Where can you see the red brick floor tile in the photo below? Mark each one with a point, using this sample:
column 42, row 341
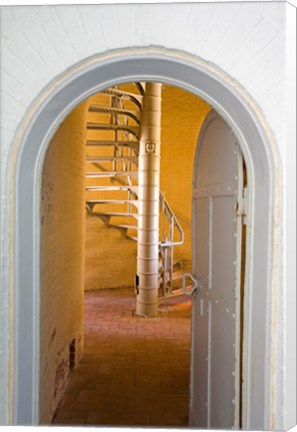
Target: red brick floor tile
column 134, row 371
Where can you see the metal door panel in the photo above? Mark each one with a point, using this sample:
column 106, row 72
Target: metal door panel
column 219, row 168
column 199, row 379
column 202, row 208
column 200, row 320
column 224, row 229
column 216, row 264
column 222, row 378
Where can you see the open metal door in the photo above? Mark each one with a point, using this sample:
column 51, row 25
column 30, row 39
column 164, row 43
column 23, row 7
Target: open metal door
column 216, row 332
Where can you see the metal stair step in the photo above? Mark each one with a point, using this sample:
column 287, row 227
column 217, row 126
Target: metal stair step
column 174, row 293
column 115, row 214
column 94, row 174
column 112, row 188
column 103, row 143
column 176, row 262
column 135, row 115
column 140, row 88
column 113, row 127
column 94, row 159
column 177, row 276
column 132, row 238
column 134, row 227
column 112, row 201
column 135, row 98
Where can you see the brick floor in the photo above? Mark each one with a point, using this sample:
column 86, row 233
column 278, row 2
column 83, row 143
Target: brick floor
column 134, row 371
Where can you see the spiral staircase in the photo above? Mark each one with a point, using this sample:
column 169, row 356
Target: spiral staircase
column 112, row 173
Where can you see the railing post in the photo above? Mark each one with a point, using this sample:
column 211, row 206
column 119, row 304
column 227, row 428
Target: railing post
column 148, row 201
column 165, row 260
column 172, row 253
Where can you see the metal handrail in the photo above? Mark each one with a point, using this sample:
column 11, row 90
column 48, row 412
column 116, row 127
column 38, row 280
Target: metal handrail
column 173, row 221
column 167, row 244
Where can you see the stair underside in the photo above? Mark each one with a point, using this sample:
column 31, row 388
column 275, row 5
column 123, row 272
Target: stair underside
column 136, row 99
column 112, row 188
column 123, row 226
column 174, row 293
column 134, row 145
column 177, row 264
column 115, row 128
column 114, row 214
column 112, row 174
column 135, row 115
column 94, row 159
column 112, row 201
column 132, row 238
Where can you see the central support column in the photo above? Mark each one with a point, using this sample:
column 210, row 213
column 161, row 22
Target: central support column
column 148, row 202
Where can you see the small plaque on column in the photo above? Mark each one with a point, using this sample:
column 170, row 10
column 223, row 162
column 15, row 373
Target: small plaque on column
column 150, row 147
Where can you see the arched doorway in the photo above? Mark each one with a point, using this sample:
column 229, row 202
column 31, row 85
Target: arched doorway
column 230, row 103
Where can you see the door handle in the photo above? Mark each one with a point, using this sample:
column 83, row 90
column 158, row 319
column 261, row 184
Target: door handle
column 195, row 284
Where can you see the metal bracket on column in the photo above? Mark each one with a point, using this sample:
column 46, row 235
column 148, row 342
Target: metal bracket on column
column 195, row 286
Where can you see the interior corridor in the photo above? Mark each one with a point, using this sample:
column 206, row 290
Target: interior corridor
column 134, row 371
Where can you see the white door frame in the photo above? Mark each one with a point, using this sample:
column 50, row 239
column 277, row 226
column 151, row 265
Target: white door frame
column 259, row 150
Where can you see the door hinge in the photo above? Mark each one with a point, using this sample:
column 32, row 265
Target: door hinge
column 242, row 206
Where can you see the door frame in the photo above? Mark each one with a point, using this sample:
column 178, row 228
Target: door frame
column 260, row 152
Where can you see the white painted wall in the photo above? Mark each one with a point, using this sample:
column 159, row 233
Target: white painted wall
column 253, row 42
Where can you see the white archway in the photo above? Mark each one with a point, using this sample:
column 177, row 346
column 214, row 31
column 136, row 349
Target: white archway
column 236, row 108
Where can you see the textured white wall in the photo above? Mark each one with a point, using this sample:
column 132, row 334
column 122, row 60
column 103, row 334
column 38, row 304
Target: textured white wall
column 246, row 40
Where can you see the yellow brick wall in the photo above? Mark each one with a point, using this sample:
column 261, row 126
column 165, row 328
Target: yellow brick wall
column 62, row 257
column 182, row 117
column 110, row 258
